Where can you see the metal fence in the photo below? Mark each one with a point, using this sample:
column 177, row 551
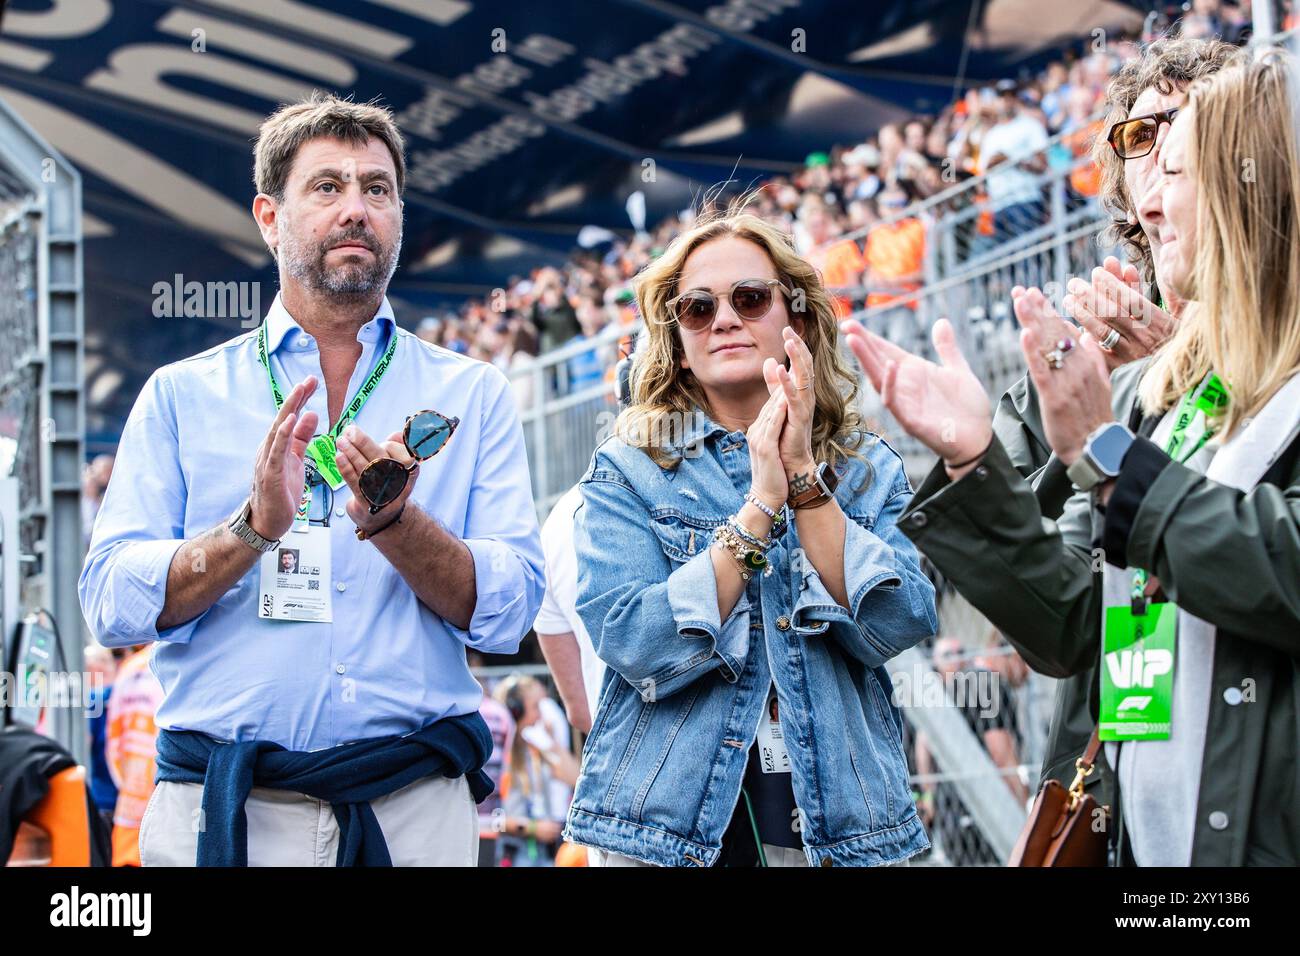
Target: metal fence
column 20, row 444
column 563, row 426
column 973, row 804
column 41, row 404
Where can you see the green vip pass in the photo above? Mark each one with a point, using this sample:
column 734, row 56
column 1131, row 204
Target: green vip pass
column 1137, row 672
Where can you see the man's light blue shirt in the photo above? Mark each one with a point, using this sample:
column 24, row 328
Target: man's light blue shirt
column 386, row 664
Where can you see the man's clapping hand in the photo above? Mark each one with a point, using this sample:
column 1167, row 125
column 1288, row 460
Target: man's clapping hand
column 278, row 469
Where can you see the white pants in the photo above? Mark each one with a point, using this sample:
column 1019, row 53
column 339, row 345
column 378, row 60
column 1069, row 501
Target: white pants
column 432, row 822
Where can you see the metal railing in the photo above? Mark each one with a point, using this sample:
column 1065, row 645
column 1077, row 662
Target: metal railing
column 42, row 415
column 563, row 428
column 974, row 739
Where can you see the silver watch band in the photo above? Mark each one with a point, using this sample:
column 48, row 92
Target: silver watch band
column 242, row 530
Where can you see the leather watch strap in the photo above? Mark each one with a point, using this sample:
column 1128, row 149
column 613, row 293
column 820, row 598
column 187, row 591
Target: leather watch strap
column 815, row 496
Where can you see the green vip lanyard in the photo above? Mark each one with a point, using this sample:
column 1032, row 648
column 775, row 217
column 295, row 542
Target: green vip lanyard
column 1194, row 425
column 321, row 450
column 1139, row 641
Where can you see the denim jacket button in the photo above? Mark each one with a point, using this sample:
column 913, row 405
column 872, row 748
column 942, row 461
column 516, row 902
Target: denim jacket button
column 783, row 623
column 826, row 861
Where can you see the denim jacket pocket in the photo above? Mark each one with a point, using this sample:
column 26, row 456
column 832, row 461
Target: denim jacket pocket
column 681, row 536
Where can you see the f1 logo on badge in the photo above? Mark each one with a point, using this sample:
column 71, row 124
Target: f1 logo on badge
column 1133, row 703
column 1131, row 668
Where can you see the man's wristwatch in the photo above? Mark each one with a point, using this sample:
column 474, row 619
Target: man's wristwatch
column 822, row 489
column 242, row 530
column 1103, row 454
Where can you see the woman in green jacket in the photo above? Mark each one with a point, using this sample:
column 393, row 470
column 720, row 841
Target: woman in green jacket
column 1110, row 304
column 1175, row 570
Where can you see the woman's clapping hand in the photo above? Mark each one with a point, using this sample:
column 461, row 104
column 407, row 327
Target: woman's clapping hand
column 943, row 406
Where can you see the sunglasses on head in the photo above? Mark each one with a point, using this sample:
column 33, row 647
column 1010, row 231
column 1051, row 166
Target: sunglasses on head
column 1134, row 138
column 424, row 436
column 751, row 299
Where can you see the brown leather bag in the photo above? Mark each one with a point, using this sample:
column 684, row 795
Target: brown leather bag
column 1061, row 828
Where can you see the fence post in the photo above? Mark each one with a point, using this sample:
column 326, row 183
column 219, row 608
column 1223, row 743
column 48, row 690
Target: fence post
column 997, row 812
column 1058, row 232
column 541, row 402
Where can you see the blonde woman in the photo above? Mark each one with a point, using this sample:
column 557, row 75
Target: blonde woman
column 741, row 575
column 1175, row 569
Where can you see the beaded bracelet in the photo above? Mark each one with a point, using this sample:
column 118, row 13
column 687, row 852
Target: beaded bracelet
column 776, row 516
column 738, row 526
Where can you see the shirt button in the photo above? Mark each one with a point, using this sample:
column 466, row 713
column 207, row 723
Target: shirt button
column 981, row 472
column 919, row 519
column 1233, row 696
column 783, row 623
column 340, row 587
column 338, row 512
column 340, row 669
column 1218, row 820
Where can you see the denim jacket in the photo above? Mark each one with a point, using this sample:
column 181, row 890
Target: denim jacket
column 684, row 691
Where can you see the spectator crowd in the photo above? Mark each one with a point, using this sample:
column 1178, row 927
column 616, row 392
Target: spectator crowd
column 844, row 208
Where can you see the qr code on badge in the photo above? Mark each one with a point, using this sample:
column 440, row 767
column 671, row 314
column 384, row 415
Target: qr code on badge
column 313, row 585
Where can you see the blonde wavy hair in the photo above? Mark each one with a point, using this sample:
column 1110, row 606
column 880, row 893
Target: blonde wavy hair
column 1243, row 317
column 662, row 391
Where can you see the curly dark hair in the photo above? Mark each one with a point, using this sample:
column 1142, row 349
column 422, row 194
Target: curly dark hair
column 1166, row 64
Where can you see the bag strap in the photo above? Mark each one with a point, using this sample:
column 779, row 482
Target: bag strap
column 1089, row 757
column 1084, row 766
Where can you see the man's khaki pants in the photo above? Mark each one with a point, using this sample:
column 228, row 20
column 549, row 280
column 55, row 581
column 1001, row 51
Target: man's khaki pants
column 432, row 822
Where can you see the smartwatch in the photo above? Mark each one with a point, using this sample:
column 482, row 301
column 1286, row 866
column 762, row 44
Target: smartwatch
column 1103, row 454
column 822, row 489
column 242, row 530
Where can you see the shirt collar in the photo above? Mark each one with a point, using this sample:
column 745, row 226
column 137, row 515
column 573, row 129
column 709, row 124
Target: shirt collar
column 698, row 427
column 281, row 326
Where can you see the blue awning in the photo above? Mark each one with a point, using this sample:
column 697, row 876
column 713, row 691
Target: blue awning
column 525, row 122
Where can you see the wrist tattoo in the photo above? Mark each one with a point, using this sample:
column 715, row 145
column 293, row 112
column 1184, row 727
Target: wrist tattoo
column 799, row 484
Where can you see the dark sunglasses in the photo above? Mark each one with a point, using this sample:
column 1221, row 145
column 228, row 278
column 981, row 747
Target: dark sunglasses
column 424, row 436
column 1134, row 138
column 750, row 299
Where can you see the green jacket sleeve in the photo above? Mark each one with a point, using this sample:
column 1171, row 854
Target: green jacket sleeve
column 1036, row 580
column 1019, row 426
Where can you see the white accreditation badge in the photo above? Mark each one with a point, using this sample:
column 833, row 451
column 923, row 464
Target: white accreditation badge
column 295, row 577
column 773, row 757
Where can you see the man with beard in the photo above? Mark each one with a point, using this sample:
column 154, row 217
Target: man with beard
column 326, row 717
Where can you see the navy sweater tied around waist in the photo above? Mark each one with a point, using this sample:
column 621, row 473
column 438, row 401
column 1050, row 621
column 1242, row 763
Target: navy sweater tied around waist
column 348, row 777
